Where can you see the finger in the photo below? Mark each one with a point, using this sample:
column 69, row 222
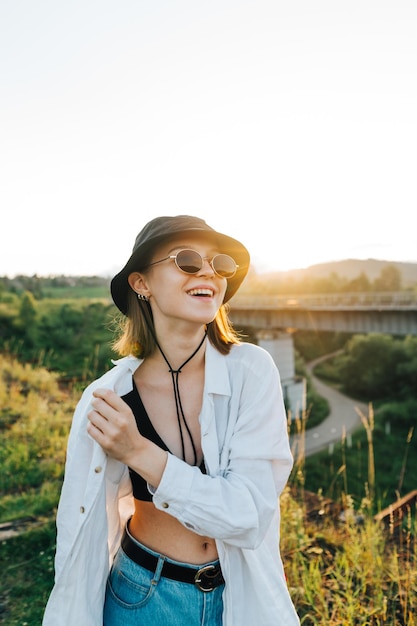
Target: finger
column 97, row 420
column 110, row 397
column 104, row 408
column 94, row 431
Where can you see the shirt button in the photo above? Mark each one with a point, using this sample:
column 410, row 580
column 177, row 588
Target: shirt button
column 98, row 469
column 165, row 505
column 82, row 509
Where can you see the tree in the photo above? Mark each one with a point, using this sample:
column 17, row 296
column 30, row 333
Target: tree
column 360, row 283
column 371, row 366
column 27, row 318
column 389, row 279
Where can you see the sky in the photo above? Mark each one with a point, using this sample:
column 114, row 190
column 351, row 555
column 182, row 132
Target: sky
column 290, row 125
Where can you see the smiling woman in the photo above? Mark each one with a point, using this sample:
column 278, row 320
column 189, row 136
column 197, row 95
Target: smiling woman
column 178, row 455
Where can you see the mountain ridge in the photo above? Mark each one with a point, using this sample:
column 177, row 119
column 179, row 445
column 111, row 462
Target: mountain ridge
column 352, row 268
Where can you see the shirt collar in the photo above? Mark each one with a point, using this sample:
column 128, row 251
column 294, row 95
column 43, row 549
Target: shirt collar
column 216, row 372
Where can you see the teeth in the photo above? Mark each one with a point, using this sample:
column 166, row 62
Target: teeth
column 200, row 292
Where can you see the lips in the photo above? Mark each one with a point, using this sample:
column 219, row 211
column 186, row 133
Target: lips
column 201, row 292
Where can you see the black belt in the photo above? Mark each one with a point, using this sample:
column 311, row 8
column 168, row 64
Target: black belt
column 206, row 578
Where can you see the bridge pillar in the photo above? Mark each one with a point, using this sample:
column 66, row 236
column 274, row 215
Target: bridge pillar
column 280, row 346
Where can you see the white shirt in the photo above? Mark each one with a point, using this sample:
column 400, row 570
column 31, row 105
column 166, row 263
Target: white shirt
column 248, row 460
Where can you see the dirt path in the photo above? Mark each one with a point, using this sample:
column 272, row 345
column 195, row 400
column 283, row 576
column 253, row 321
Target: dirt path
column 342, row 419
column 17, row 527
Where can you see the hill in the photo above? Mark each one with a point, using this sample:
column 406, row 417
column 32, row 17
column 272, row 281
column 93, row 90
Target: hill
column 351, row 268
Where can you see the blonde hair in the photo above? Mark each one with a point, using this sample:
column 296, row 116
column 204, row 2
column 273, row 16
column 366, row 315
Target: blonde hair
column 136, row 331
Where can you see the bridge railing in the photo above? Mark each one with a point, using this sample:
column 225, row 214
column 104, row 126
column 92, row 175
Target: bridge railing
column 397, row 300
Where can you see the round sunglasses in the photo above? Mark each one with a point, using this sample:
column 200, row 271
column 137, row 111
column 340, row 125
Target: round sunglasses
column 191, row 262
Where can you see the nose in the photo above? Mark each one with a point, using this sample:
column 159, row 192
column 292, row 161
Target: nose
column 206, row 269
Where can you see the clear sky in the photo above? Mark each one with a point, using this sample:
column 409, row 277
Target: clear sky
column 290, row 124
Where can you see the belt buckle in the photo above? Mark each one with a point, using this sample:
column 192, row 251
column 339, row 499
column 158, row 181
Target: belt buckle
column 203, row 580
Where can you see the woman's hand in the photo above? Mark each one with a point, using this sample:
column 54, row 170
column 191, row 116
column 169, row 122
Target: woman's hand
column 113, row 426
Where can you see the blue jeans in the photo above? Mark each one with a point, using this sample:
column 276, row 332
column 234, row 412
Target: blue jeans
column 137, row 597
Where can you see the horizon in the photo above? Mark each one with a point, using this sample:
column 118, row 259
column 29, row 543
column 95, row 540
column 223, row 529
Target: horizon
column 255, row 270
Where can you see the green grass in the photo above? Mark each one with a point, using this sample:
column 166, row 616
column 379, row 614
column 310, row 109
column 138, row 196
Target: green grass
column 26, row 565
column 35, row 417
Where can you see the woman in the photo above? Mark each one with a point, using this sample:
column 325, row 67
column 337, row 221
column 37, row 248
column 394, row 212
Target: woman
column 177, row 455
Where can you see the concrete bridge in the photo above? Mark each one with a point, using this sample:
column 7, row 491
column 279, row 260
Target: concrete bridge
column 275, row 318
column 392, row 313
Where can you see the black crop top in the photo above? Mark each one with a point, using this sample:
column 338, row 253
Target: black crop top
column 145, row 427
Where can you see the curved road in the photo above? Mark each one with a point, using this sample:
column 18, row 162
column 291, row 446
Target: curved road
column 342, row 419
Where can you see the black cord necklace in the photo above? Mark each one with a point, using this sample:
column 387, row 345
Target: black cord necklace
column 178, row 405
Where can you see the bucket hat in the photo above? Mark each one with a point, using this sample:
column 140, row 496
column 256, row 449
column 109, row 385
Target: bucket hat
column 164, row 228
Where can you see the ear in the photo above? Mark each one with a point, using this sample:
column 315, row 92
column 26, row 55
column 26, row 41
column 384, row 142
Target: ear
column 138, row 283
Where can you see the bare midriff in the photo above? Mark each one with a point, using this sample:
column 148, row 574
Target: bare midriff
column 162, row 533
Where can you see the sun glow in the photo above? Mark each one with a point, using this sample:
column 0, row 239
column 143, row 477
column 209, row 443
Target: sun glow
column 291, row 130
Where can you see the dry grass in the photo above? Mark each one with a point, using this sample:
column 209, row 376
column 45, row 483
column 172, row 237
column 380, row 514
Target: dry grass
column 346, row 566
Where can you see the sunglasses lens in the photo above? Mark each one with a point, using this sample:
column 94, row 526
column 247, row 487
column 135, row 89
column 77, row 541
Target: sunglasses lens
column 224, row 265
column 189, row 261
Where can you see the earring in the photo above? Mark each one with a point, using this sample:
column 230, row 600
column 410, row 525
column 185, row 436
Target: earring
column 142, row 297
